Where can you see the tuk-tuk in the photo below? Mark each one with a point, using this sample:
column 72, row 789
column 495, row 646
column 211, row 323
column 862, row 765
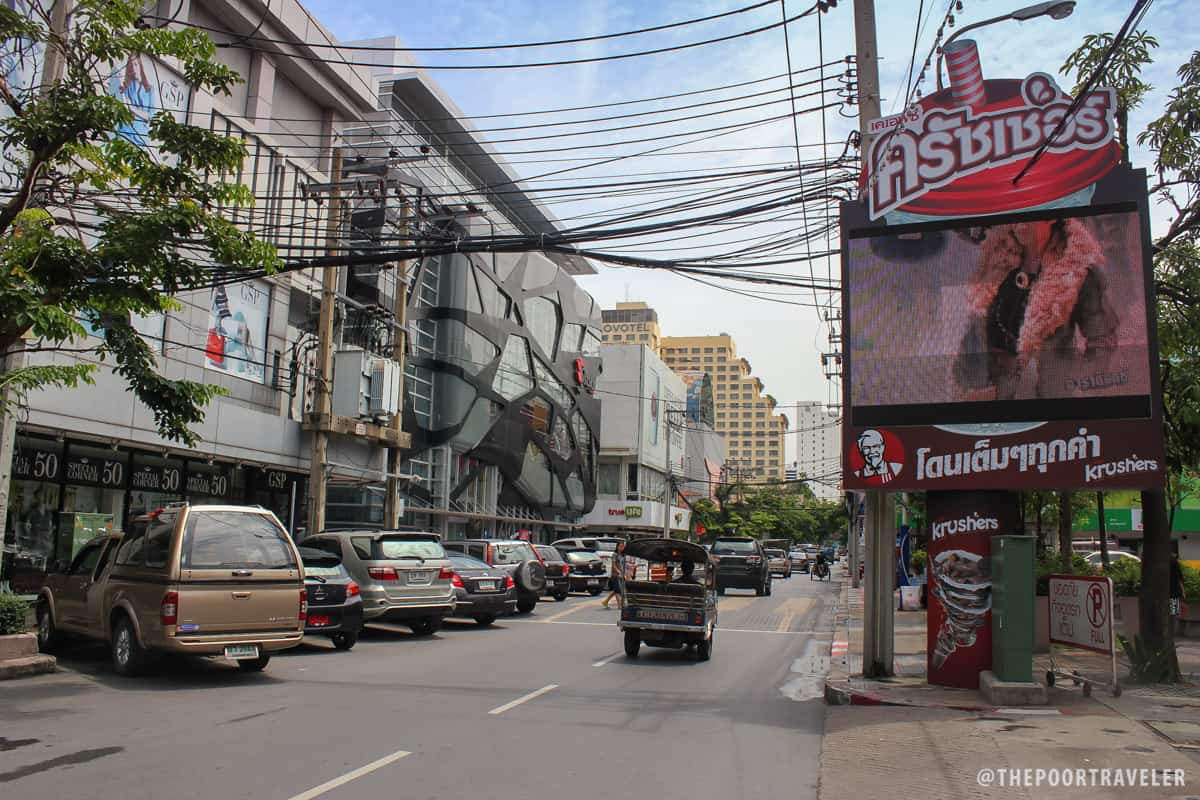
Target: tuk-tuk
column 677, row 606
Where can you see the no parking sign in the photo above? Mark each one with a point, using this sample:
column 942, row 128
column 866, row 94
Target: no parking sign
column 1081, row 612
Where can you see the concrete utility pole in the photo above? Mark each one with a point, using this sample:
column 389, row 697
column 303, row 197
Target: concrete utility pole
column 391, row 501
column 322, row 396
column 878, row 644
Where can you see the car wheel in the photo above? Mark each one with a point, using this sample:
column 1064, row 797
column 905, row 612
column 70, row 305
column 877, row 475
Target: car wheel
column 483, row 620
column 561, row 595
column 759, row 590
column 633, row 643
column 595, row 592
column 344, row 640
column 704, row 648
column 47, row 635
column 526, row 604
column 721, row 590
column 254, row 664
column 128, row 655
column 767, row 592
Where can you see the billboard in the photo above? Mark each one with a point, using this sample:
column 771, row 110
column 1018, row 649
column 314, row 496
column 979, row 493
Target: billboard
column 998, row 316
column 237, row 329
column 699, row 395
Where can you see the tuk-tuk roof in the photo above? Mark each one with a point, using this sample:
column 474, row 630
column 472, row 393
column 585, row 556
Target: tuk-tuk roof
column 664, row 550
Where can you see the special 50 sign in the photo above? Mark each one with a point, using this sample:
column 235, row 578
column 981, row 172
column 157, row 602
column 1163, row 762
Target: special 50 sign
column 998, row 330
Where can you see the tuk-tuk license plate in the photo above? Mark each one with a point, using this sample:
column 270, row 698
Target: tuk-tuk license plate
column 659, row 615
column 242, row 651
column 486, row 586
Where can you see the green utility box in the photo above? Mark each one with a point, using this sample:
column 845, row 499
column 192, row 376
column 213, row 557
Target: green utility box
column 1013, row 608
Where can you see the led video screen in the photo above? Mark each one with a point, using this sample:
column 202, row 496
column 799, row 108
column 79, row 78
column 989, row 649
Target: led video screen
column 1023, row 319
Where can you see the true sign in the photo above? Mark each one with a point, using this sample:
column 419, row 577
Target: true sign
column 1081, row 612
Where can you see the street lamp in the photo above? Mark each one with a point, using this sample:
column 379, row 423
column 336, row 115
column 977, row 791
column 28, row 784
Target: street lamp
column 1061, row 9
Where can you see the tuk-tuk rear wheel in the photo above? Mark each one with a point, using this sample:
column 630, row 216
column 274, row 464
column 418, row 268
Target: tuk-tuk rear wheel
column 704, row 648
column 633, row 643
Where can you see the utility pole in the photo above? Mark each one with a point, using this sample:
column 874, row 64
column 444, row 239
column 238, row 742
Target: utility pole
column 391, row 501
column 878, row 620
column 322, row 396
column 666, row 528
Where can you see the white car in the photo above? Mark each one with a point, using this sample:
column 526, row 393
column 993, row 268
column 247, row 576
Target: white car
column 1094, row 559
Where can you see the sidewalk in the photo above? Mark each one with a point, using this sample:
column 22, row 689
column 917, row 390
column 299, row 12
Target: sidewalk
column 900, row 736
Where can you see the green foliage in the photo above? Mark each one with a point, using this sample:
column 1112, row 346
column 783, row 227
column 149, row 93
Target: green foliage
column 13, row 611
column 101, row 227
column 1150, row 665
column 1191, row 582
column 1123, row 72
column 917, row 561
column 772, row 511
column 1126, row 576
column 1053, row 564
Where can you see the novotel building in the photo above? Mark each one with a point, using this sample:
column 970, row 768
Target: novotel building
column 631, row 323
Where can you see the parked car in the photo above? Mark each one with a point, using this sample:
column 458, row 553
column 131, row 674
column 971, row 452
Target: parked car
column 404, row 576
column 603, row 546
column 779, row 563
column 558, row 572
column 1095, row 560
column 335, row 607
column 517, row 558
column 741, row 564
column 186, row 579
column 802, row 563
column 588, row 571
column 481, row 591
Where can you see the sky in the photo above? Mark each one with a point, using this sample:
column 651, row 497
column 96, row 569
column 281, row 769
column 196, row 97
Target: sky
column 783, row 337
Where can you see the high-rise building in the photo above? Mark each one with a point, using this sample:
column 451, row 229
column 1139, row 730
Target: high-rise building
column 744, row 413
column 818, row 438
column 631, row 323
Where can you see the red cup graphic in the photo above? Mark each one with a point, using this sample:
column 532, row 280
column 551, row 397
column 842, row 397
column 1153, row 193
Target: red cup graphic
column 966, row 76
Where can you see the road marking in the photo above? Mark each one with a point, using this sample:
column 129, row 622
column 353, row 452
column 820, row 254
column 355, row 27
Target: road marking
column 578, row 607
column 613, row 624
column 317, row 791
column 532, row 695
column 1033, row 712
column 792, row 608
column 604, row 661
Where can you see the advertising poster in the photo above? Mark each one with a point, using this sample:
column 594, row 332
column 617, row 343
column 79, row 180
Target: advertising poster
column 998, row 313
column 958, row 625
column 147, row 87
column 237, row 329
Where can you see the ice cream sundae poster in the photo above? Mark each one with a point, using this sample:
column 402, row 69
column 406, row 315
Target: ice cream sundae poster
column 959, row 630
column 237, row 329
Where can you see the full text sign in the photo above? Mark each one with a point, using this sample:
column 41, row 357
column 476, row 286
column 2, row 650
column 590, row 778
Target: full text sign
column 1081, row 612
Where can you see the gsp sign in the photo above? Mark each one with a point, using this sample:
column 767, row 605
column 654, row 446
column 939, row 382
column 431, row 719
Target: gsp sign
column 1081, row 612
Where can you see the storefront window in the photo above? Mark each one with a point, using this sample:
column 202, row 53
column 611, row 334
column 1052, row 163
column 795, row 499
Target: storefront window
column 153, row 483
column 33, row 503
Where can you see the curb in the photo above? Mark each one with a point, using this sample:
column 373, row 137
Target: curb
column 837, row 694
column 27, row 666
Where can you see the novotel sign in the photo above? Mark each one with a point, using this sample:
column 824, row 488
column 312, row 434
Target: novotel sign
column 626, row 327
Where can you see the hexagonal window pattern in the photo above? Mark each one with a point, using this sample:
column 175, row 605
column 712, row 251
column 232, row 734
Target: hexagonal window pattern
column 495, row 302
column 536, row 477
column 482, row 417
column 462, row 346
column 536, row 412
column 539, row 271
column 551, row 385
column 560, row 439
column 513, row 377
column 543, row 319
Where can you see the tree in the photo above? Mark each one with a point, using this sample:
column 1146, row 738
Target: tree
column 1174, row 139
column 110, row 216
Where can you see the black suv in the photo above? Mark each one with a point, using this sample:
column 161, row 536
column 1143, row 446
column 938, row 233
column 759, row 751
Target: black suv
column 741, row 564
column 516, row 557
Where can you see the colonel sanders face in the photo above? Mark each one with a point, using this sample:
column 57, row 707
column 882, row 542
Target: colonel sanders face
column 870, row 445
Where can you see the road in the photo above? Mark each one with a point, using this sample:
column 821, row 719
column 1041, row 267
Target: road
column 545, row 705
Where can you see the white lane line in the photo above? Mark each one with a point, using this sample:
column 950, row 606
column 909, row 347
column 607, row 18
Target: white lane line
column 614, row 624
column 507, row 706
column 604, row 661
column 317, row 791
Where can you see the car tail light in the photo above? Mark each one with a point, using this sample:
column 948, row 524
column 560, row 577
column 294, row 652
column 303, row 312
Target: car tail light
column 509, row 582
column 352, row 590
column 564, row 570
column 456, row 580
column 753, row 560
column 303, row 606
column 383, row 573
column 168, row 612
column 446, row 574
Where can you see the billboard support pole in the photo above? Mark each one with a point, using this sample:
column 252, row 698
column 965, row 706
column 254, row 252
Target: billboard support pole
column 881, row 513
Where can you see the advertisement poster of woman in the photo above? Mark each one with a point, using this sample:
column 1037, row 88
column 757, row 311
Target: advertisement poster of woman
column 237, row 329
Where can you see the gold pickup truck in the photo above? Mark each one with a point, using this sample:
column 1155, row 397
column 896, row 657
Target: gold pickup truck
column 191, row 579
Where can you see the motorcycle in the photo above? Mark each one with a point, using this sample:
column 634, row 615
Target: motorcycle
column 820, row 572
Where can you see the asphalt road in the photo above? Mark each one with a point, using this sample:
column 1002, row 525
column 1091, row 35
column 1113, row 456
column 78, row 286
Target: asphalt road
column 545, row 705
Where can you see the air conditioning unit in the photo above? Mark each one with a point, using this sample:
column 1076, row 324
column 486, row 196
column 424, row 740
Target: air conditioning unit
column 387, row 386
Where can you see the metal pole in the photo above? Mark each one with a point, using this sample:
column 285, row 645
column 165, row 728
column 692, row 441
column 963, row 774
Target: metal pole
column 666, row 526
column 322, row 402
column 852, row 540
column 881, row 517
column 391, row 501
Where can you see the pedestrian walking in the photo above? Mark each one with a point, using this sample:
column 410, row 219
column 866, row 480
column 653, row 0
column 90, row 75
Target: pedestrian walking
column 1178, row 595
column 616, row 572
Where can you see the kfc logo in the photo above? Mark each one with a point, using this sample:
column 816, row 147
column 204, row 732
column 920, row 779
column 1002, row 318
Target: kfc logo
column 878, row 457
